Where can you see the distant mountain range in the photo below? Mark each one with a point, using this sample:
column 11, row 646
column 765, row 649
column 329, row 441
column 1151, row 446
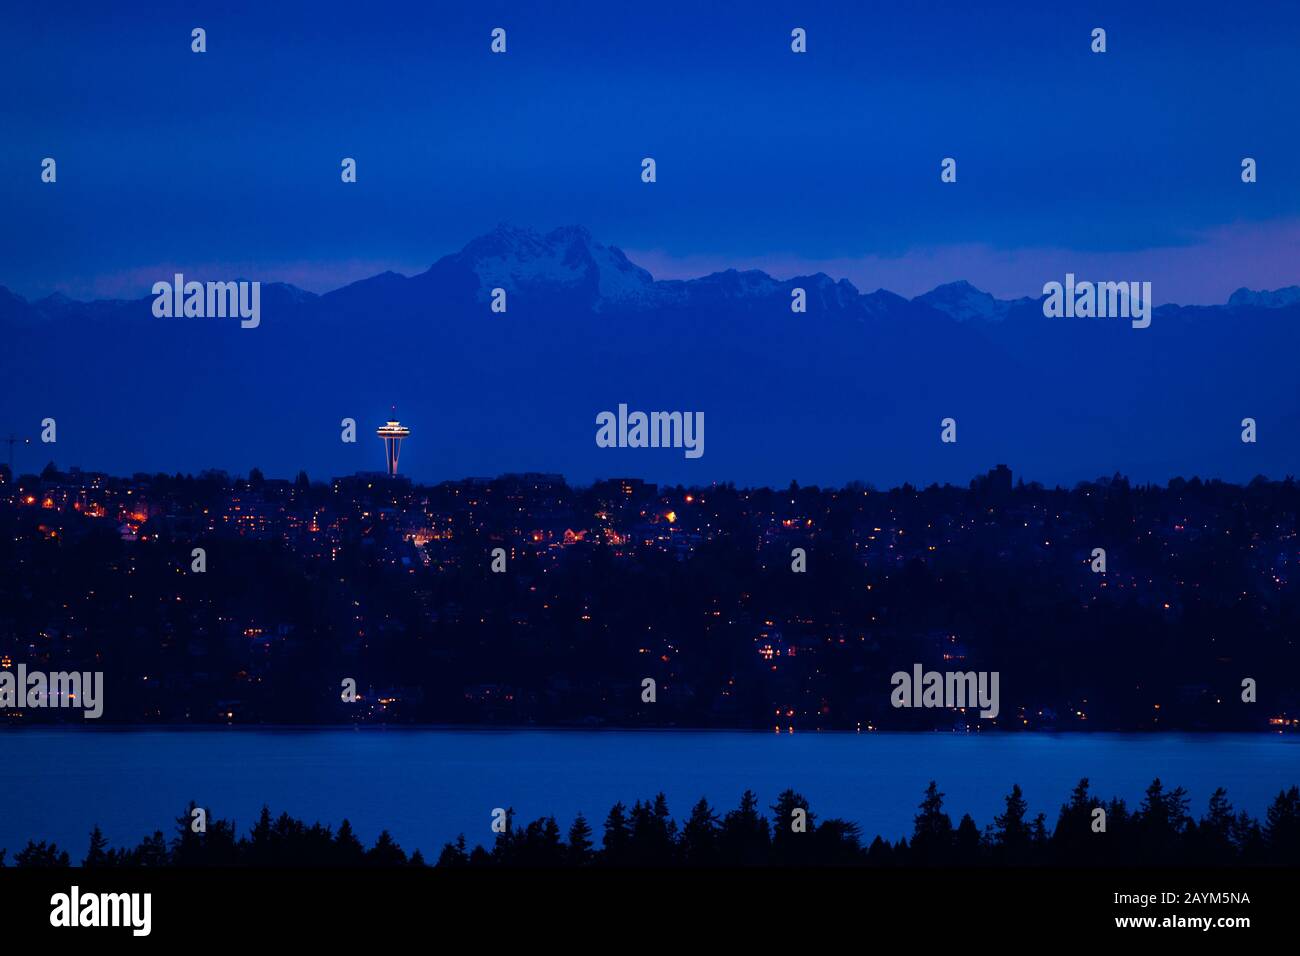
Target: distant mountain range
column 852, row 389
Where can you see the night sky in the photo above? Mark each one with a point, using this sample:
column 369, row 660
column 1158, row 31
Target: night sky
column 228, row 162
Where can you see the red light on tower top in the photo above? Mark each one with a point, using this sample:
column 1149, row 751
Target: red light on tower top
column 392, row 434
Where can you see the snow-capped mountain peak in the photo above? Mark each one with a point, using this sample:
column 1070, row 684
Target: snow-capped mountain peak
column 963, row 302
column 568, row 258
column 1274, row 299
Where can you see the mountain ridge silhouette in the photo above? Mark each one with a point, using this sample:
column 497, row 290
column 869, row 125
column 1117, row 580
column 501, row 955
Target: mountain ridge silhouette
column 519, row 258
column 854, row 388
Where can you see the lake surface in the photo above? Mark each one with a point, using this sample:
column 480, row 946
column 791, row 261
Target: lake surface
column 427, row 785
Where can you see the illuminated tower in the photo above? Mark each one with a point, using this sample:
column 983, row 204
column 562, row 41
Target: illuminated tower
column 392, row 434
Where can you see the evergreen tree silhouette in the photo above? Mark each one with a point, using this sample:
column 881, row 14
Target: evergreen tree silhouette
column 152, row 851
column 1161, row 822
column 385, row 852
column 552, row 844
column 836, row 842
column 932, row 830
column 1215, row 836
column 653, row 833
column 618, row 837
column 1011, row 832
column 901, row 853
column 41, row 856
column 260, row 851
column 187, row 846
column 503, row 847
column 1161, row 832
column 745, row 840
column 579, row 853
column 1038, row 839
column 700, row 836
column 96, row 855
column 315, row 844
column 220, row 844
column 1073, row 839
column 880, row 853
column 966, row 849
column 1282, row 827
column 453, row 854
column 788, row 847
column 1119, row 848
column 1249, row 838
column 665, row 825
column 348, row 849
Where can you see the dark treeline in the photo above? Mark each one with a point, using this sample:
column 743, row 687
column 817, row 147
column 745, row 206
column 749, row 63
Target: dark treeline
column 1161, row 831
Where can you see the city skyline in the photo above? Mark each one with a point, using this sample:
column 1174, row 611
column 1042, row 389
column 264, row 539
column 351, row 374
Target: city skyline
column 473, row 601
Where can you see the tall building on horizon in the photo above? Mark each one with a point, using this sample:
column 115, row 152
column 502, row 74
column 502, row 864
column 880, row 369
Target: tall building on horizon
column 392, row 433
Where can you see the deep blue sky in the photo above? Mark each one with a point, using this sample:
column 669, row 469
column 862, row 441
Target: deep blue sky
column 229, row 161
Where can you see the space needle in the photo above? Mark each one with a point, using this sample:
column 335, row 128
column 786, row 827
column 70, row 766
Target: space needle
column 392, row 434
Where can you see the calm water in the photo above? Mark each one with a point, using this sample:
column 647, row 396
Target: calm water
column 428, row 785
